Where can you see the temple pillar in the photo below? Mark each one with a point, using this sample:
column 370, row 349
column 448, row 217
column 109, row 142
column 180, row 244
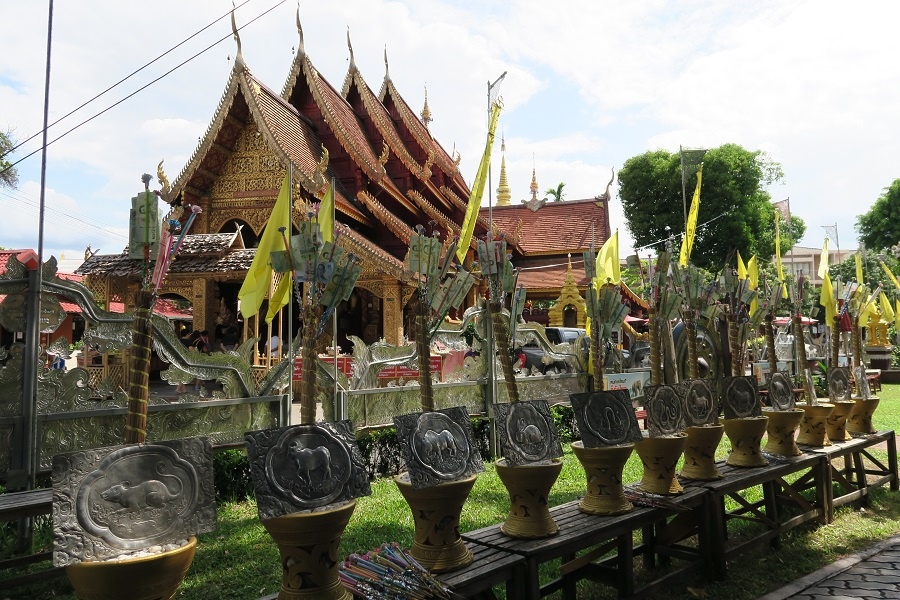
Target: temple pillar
column 392, row 313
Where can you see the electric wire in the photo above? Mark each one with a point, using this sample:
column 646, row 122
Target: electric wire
column 144, row 87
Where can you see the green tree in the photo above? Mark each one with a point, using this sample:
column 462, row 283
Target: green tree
column 736, row 213
column 556, row 193
column 9, row 177
column 880, row 228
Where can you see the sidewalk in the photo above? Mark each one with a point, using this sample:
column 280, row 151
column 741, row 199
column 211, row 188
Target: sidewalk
column 872, row 573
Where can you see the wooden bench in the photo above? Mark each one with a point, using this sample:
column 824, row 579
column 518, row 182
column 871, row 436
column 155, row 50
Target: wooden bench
column 490, row 567
column 19, row 505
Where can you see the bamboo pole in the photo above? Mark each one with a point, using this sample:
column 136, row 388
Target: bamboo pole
column 769, row 331
column 801, row 356
column 501, row 337
column 655, row 361
column 308, row 373
column 835, row 340
column 139, row 371
column 423, row 351
column 690, row 330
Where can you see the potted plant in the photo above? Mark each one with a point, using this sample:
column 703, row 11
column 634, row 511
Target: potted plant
column 442, row 463
column 662, row 447
column 148, row 565
column 307, row 477
column 529, row 440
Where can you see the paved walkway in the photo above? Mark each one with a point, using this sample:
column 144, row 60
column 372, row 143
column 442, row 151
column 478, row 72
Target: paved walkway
column 872, row 573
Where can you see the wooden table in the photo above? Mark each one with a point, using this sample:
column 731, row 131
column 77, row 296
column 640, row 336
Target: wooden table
column 737, row 484
column 860, row 471
column 490, row 567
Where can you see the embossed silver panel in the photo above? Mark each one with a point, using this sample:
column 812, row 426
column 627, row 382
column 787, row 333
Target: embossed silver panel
column 739, row 397
column 781, row 393
column 699, row 401
column 839, row 387
column 305, row 466
column 527, row 432
column 111, row 501
column 438, row 446
column 665, row 410
column 605, row 418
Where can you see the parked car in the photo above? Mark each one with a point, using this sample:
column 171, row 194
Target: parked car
column 532, row 356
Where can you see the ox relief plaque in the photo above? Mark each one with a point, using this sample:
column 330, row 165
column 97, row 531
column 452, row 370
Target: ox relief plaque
column 665, row 410
column 781, row 393
column 438, row 446
column 527, row 432
column 605, row 418
column 303, row 467
column 839, row 383
column 109, row 502
column 739, row 397
column 699, row 402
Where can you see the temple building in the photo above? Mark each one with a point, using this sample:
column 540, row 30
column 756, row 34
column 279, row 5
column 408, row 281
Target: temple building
column 390, row 176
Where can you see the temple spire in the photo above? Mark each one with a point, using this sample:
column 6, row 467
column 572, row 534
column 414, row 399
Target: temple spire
column 239, row 57
column 503, row 191
column 300, row 47
column 426, row 112
column 350, row 46
column 534, row 185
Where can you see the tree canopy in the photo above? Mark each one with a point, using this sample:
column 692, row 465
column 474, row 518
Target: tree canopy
column 735, row 213
column 880, row 228
column 556, row 193
column 9, row 177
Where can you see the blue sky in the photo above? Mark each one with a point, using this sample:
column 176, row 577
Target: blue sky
column 589, row 84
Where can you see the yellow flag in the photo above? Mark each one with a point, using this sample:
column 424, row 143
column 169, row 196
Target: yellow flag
column 859, row 268
column 889, row 274
column 826, row 299
column 608, row 261
column 687, row 244
column 779, row 266
column 753, row 276
column 468, row 226
column 256, row 283
column 326, row 214
column 742, row 268
column 887, row 312
column 823, row 260
column 897, row 314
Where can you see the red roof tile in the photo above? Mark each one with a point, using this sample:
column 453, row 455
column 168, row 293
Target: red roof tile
column 555, row 228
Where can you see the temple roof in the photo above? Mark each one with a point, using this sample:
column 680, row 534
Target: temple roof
column 556, row 228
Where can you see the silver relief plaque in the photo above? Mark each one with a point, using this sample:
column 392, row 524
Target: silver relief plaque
column 527, row 432
column 438, row 446
column 781, row 392
column 665, row 410
column 699, row 401
column 109, row 502
column 605, row 418
column 839, row 383
column 739, row 397
column 304, row 467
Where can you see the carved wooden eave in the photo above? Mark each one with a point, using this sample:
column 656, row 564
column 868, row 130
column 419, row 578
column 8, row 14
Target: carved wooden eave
column 463, row 205
column 292, row 140
column 371, row 254
column 436, row 215
column 401, row 230
column 209, row 139
column 385, row 126
column 421, row 134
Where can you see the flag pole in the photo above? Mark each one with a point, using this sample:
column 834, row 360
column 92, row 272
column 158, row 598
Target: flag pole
column 290, row 328
column 338, row 410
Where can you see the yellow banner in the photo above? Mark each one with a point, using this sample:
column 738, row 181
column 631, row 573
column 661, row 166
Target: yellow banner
column 468, row 226
column 259, row 275
column 889, row 274
column 608, row 262
column 823, row 260
column 687, row 244
column 826, row 299
column 741, row 267
column 326, row 214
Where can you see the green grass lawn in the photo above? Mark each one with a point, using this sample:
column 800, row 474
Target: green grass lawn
column 239, row 561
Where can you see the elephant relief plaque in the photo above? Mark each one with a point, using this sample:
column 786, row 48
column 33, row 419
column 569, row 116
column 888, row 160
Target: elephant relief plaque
column 527, row 432
column 739, row 397
column 699, row 401
column 302, row 467
column 438, row 446
column 781, row 392
column 839, row 383
column 605, row 418
column 109, row 502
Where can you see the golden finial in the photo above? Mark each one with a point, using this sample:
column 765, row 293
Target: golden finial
column 426, row 112
column 239, row 57
column 350, row 46
column 503, row 192
column 385, row 153
column 534, row 185
column 387, row 72
column 163, row 180
column 300, row 48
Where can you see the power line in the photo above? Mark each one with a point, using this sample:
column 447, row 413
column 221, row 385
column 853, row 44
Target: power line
column 106, row 229
column 141, row 89
column 124, row 79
